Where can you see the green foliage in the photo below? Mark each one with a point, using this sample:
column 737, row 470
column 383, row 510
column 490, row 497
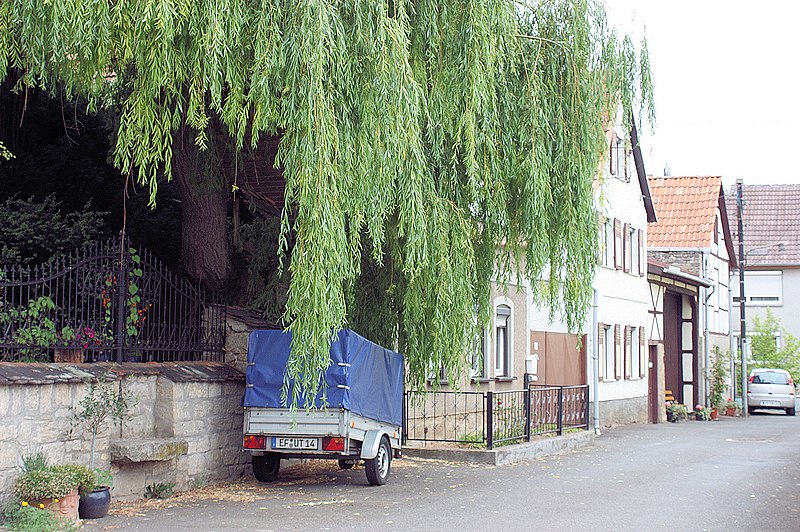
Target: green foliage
column 34, row 461
column 52, row 482
column 34, row 327
column 33, row 231
column 5, row 153
column 719, row 371
column 30, row 519
column 442, row 143
column 764, row 350
column 159, row 490
column 104, row 478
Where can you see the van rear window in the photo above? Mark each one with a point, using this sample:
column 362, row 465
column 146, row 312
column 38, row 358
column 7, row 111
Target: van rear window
column 770, row 377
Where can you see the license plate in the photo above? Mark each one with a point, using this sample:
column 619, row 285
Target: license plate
column 295, row 443
column 770, row 403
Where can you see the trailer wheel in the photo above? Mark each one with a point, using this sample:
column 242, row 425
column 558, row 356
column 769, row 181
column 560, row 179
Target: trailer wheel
column 378, row 468
column 346, row 464
column 266, row 467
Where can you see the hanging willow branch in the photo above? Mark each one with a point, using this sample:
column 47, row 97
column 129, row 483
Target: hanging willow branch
column 428, row 146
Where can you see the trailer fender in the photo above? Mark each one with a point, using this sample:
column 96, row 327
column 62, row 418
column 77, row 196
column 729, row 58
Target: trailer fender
column 369, row 449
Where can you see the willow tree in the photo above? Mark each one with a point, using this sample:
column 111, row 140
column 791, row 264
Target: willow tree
column 428, row 146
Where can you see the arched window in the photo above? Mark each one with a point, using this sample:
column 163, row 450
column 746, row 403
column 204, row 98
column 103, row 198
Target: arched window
column 503, row 347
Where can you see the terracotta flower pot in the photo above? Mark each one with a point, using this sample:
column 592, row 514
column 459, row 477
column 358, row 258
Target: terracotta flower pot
column 714, row 413
column 66, row 508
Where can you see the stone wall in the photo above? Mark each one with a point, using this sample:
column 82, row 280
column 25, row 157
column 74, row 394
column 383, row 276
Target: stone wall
column 623, row 411
column 186, row 427
column 688, row 261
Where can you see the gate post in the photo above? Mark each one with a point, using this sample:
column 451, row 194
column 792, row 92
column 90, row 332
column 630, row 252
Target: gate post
column 489, row 420
column 527, row 414
column 122, row 288
column 560, row 410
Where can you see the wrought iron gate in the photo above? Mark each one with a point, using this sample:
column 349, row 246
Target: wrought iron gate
column 107, row 301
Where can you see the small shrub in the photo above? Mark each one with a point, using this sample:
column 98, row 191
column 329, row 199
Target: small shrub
column 29, row 519
column 53, row 482
column 159, row 490
column 34, row 461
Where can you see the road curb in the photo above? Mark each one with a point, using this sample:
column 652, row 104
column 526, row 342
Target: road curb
column 508, row 454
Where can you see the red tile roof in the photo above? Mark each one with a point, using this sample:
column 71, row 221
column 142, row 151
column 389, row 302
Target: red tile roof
column 686, row 208
column 771, row 218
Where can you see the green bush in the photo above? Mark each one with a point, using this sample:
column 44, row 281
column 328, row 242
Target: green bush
column 30, row 519
column 53, row 482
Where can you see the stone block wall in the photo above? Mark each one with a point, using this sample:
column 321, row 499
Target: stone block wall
column 186, row 427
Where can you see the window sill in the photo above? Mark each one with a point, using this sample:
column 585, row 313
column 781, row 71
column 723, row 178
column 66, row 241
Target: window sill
column 504, row 379
column 480, row 380
column 431, row 382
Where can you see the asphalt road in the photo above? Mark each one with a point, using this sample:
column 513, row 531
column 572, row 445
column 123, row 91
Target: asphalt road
column 732, row 474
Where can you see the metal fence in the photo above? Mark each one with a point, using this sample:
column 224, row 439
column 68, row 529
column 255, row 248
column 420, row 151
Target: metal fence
column 107, row 301
column 486, row 419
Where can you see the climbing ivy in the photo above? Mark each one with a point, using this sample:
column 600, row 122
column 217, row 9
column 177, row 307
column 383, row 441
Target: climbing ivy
column 436, row 144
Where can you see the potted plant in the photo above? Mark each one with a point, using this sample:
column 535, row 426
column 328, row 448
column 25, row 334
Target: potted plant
column 676, row 411
column 702, row 413
column 101, row 404
column 54, row 489
column 732, row 408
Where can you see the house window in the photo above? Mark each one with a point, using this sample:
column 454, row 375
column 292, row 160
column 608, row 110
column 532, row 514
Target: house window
column 606, row 351
column 503, row 347
column 613, row 161
column 479, row 358
column 762, row 288
column 608, row 248
column 633, row 247
column 635, row 356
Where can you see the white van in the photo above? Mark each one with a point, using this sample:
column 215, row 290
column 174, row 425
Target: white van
column 770, row 389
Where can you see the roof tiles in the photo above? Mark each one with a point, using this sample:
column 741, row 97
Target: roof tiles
column 771, row 217
column 686, row 209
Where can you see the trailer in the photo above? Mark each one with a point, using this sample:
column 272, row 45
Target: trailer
column 359, row 418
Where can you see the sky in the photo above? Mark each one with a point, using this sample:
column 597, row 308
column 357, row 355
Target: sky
column 727, row 86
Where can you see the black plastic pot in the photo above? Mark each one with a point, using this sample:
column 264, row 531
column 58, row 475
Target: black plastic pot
column 95, row 504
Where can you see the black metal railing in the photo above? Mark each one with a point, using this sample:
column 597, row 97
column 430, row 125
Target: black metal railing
column 486, row 419
column 107, row 301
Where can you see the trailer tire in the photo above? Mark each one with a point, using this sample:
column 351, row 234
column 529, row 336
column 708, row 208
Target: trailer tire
column 378, row 468
column 266, row 467
column 346, row 464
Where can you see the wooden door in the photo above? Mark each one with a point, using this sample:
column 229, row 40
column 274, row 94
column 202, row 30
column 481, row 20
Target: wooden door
column 653, row 398
column 673, row 358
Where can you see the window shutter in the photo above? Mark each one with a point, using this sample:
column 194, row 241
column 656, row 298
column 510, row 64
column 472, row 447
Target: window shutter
column 617, row 244
column 642, row 254
column 628, row 351
column 601, row 238
column 601, row 351
column 642, row 355
column 626, row 248
column 617, row 353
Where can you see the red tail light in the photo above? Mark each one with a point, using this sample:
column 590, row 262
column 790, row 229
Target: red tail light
column 750, row 380
column 255, row 442
column 790, row 381
column 333, row 444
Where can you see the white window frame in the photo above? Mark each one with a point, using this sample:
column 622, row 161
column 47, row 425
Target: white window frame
column 610, row 357
column 503, row 320
column 636, row 370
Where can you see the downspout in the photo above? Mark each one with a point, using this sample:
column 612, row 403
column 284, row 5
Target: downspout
column 595, row 365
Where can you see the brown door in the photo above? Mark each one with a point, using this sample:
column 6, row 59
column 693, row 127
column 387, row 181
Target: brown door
column 653, row 399
column 673, row 359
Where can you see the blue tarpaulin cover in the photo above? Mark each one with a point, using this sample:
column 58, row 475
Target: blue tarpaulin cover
column 371, row 386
